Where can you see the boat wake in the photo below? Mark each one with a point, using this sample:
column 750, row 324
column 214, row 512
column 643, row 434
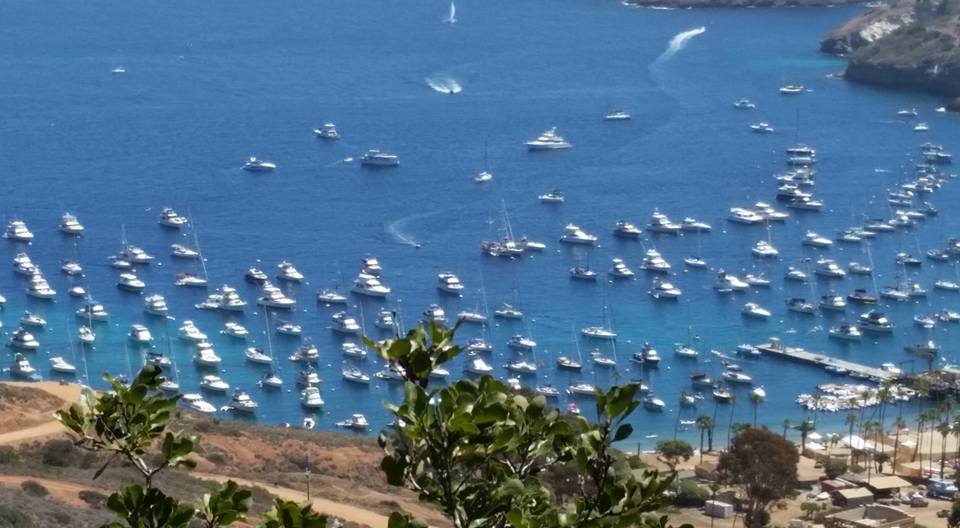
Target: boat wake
column 399, row 232
column 677, row 43
column 444, row 84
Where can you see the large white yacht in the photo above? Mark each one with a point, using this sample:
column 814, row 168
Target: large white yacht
column 355, row 375
column 205, row 356
column 331, row 296
column 235, row 329
column 327, row 131
column 549, row 140
column 369, row 285
column 654, row 262
column 155, row 305
column 134, row 255
column 273, row 297
column 17, row 231
column 507, row 311
column 23, row 340
column 242, row 402
column 195, row 402
column 371, row 266
column 344, row 324
column 755, row 310
column 520, row 342
column 23, row 265
column 170, row 218
column 184, row 252
column 130, row 282
column 574, row 235
column 764, row 249
column 829, row 268
column 289, row 272
column 214, row 383
column 190, row 332
column 619, row 269
column 727, row 282
column 449, row 283
column 257, row 165
column 660, row 223
column 70, row 225
column 39, row 288
column 189, row 280
column 31, row 319
column 376, row 158
column 356, row 422
column 310, row 398
column 140, row 335
column 744, row 216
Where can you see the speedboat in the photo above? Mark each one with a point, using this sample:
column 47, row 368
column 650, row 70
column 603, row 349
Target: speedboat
column 71, row 267
column 582, row 389
column 625, row 229
column 574, row 235
column 70, row 225
column 327, row 131
column 18, row 232
column 86, row 335
column 727, row 282
column 860, row 296
column 477, row 366
column 170, row 218
column 355, row 375
column 654, row 262
column 257, row 165
column 520, row 342
column 449, row 283
column 32, row 319
column 598, row 332
column 273, row 297
column 692, row 224
column 812, row 239
column 370, row 286
column 829, row 268
column 664, row 290
column 744, row 216
column 271, row 380
column 619, row 115
column 344, row 324
column 582, row 273
column 242, row 402
column 800, row 305
column 547, row 391
column 331, row 296
column 353, row 350
column 190, row 280
column 289, row 329
column 601, row 360
column 568, row 363
column 23, row 340
column 549, row 140
column 506, row 311
column 846, row 332
column 875, row 321
column 155, row 305
column 357, row 422
column 947, row 285
column 21, row 368
column 652, row 403
column 310, row 398
column 833, row 302
column 435, row 314
column 214, row 383
column 552, row 197
column 744, row 104
column 755, row 310
column 483, row 176
column 93, row 312
column 791, row 89
column 129, row 282
column 764, row 249
column 522, row 366
column 733, row 376
column 58, row 364
column 140, row 335
column 660, row 223
column 695, row 262
column 184, row 252
column 205, row 355
column 684, row 351
column 195, row 402
column 924, row 321
column 255, row 276
column 190, row 332
column 761, row 128
column 288, row 272
column 134, row 255
column 376, row 158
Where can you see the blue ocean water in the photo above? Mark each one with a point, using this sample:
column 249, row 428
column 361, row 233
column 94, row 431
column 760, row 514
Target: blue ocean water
column 207, row 85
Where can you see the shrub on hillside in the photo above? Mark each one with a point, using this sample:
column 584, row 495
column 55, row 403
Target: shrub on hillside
column 58, row 453
column 34, row 488
column 93, row 498
column 835, row 468
column 690, row 494
column 14, row 518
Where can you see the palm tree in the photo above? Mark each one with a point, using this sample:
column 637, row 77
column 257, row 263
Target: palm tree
column 733, row 405
column 806, row 427
column 705, row 424
column 899, row 424
column 921, row 421
column 756, row 399
column 851, row 422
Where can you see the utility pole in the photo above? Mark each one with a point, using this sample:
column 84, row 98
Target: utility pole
column 307, row 471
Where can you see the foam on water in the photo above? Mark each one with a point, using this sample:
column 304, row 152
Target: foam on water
column 677, row 43
column 443, row 84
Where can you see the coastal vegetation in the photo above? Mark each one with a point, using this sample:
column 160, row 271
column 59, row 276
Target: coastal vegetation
column 764, row 466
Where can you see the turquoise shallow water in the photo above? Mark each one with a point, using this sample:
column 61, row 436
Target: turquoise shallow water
column 208, row 85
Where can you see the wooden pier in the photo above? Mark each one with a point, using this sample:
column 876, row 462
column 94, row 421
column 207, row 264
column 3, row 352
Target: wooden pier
column 776, row 348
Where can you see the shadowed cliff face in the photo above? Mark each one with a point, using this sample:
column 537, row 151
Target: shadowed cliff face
column 737, row 3
column 914, row 44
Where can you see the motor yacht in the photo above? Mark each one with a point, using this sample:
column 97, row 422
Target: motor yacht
column 619, row 269
column 875, row 321
column 684, row 351
column 764, row 249
column 448, row 282
column 377, row 158
column 32, row 320
column 568, row 363
column 906, row 259
column 939, row 255
column 744, row 216
column 195, row 402
column 23, row 265
column 189, row 280
column 155, row 305
column 520, row 342
column 664, row 290
column 390, row 372
column 756, row 281
column 949, row 316
column 582, row 273
column 134, row 255
column 477, row 345
column 21, row 339
column 791, row 89
column 435, row 314
column 849, row 236
column 506, row 248
column 205, row 355
column 60, row 365
column 307, row 352
column 547, row 391
column 914, row 289
column 255, row 275
column 745, row 349
column 190, row 332
column 733, row 376
column 310, row 398
column 652, row 403
column 549, row 140
column 582, row 389
column 483, row 176
column 370, row 286
column 856, row 268
column 800, row 305
column 598, row 332
column 170, row 218
column 895, row 293
column 619, row 115
column 660, row 223
column 183, row 252
column 288, row 272
column 468, row 316
column 744, row 104
column 574, row 235
column 846, row 332
column 860, row 296
column 761, row 128
column 140, row 335
column 522, row 367
column 86, row 335
column 21, row 368
column 385, row 320
column 530, row 245
column 947, row 285
column 242, row 402
column 17, row 231
column 155, row 357
column 129, row 282
column 924, row 349
column 805, row 203
column 353, row 350
column 830, row 269
column 355, row 375
column 308, row 377
column 71, row 267
column 833, row 302
column 93, row 312
column 477, row 366
column 289, row 329
column 647, row 356
column 768, row 213
column 371, row 266
column 257, row 165
column 69, row 225
column 921, row 127
column 506, row 311
column 552, row 197
column 812, row 239
column 121, row 264
column 755, row 310
column 327, row 131
column 356, row 422
column 654, row 262
column 694, row 225
column 727, row 282
column 273, row 297
column 600, row 360
column 39, row 288
column 344, row 324
column 214, row 383
column 695, row 262
column 331, row 296
column 924, row 321
column 625, row 229
column 700, row 379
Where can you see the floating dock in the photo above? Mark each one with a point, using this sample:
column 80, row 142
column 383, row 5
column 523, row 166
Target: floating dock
column 776, row 348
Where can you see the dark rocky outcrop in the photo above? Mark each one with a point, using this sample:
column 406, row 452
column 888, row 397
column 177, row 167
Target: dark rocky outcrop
column 913, row 44
column 737, row 3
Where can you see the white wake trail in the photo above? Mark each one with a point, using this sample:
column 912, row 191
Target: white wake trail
column 444, row 84
column 678, row 42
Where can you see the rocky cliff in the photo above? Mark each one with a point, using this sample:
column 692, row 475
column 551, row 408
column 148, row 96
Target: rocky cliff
column 913, row 44
column 737, row 3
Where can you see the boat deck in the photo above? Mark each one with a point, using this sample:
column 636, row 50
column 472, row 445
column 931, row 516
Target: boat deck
column 774, row 347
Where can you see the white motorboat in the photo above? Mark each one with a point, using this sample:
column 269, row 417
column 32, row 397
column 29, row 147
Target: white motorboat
column 547, row 391
column 184, row 252
column 258, row 356
column 21, row 368
column 477, row 366
column 155, row 305
column 568, row 363
column 289, row 329
column 856, row 268
column 619, row 115
column 242, row 402
column 552, row 197
column 660, row 223
column 308, row 377
column 875, row 321
column 271, row 380
column 327, row 131
column 170, row 218
column 370, row 286
column 93, row 312
column 507, row 311
column 946, row 285
column 582, row 273
column 800, row 305
column 18, row 232
column 520, row 342
column 255, row 275
column 833, row 302
column 357, row 422
column 377, row 158
column 812, row 239
column 762, row 128
column 744, row 104
column 477, row 345
column 22, row 265
column 353, row 350
column 601, row 360
column 549, row 140
column 768, row 213
column 582, row 389
column 794, row 274
column 647, row 356
column 288, row 272
column 140, row 335
column 598, row 332
column 695, row 262
column 257, row 165
column 86, row 335
column 71, row 267
column 273, row 297
column 755, row 310
column 921, row 127
column 130, row 282
column 685, row 351
column 39, row 288
column 654, row 262
column 155, row 357
column 574, row 235
column 846, row 332
column 21, row 339
column 652, row 403
column 214, row 383
column 58, row 364
column 791, row 89
column 206, row 356
column 664, row 290
column 830, row 269
column 483, row 176
column 924, row 321
column 756, row 281
column 435, row 314
column 190, row 280
column 619, row 269
column 805, row 203
column 331, row 296
column 195, row 402
column 69, row 225
column 722, row 394
column 190, row 332
column 522, row 367
column 727, row 282
column 694, row 225
column 744, row 216
column 344, row 324
column 310, row 398
column 468, row 316
column 891, row 368
column 625, row 229
column 371, row 266
column 764, row 249
column 134, row 255
column 32, row 320
column 355, row 375
column 385, row 320
column 448, row 282
column 895, row 293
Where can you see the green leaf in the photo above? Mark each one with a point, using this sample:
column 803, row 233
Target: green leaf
column 623, row 432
